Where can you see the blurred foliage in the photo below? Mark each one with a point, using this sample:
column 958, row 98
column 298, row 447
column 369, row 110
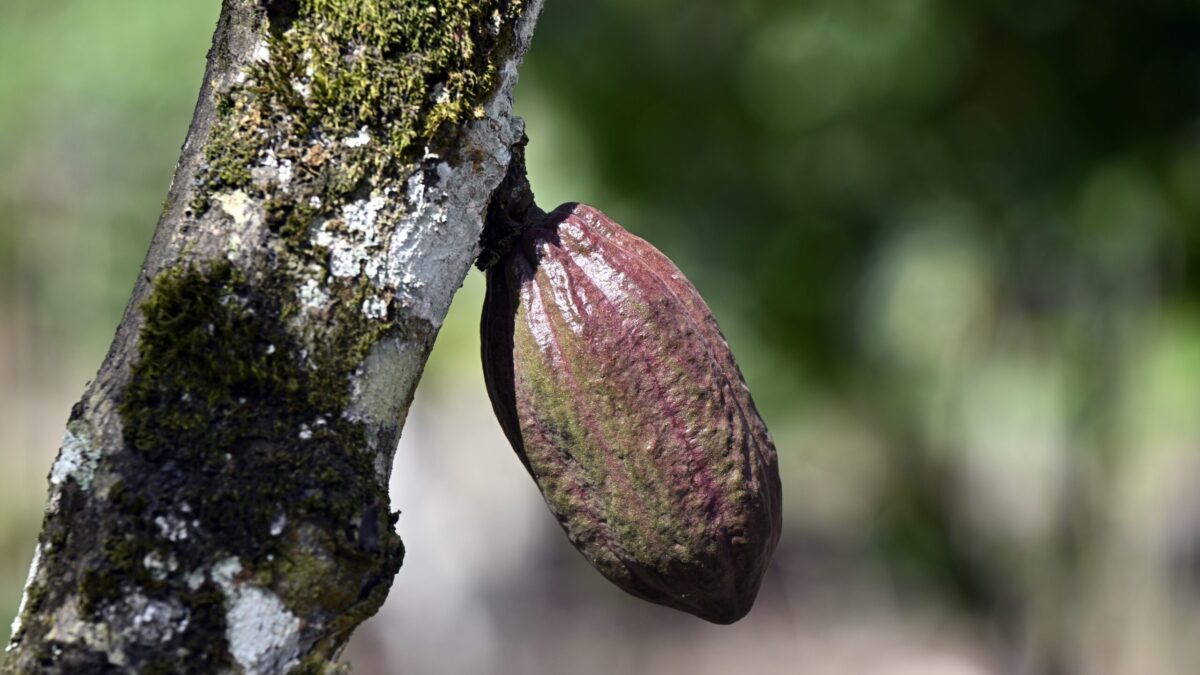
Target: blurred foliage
column 96, row 98
column 956, row 246
column 784, row 143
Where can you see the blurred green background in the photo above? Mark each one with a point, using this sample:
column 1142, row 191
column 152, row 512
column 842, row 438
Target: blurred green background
column 955, row 245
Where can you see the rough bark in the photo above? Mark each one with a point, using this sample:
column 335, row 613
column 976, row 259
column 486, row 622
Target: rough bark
column 219, row 503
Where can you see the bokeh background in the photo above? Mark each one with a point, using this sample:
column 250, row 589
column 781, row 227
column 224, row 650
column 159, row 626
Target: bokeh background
column 955, row 245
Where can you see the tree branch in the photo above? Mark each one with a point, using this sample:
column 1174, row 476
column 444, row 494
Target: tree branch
column 220, row 498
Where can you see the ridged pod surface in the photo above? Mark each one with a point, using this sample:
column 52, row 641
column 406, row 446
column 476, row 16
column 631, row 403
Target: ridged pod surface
column 619, row 393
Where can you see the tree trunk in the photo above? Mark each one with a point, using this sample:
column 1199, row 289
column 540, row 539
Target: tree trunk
column 219, row 503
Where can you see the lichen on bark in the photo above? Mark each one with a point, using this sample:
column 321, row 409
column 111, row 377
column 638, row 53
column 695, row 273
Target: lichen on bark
column 220, row 501
column 337, row 76
column 218, row 392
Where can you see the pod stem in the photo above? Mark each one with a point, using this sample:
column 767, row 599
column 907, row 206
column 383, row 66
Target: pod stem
column 511, row 211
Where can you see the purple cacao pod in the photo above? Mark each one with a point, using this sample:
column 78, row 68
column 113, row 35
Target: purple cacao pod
column 619, row 393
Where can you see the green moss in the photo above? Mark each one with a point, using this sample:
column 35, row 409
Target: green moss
column 407, row 68
column 221, row 391
column 409, row 72
column 317, row 665
column 232, row 428
column 98, row 586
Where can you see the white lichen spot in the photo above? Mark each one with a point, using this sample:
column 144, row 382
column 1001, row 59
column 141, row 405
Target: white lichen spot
column 312, row 296
column 158, row 566
column 413, row 248
column 262, row 52
column 225, row 571
column 345, row 259
column 439, row 95
column 272, row 169
column 195, row 580
column 314, row 201
column 149, row 621
column 285, row 173
column 362, row 138
column 238, row 206
column 360, row 216
column 263, row 636
column 353, row 239
column 496, row 23
column 375, row 308
column 77, row 460
column 270, row 350
column 306, row 433
column 172, row 528
column 29, row 579
column 278, row 524
column 301, row 87
column 371, row 267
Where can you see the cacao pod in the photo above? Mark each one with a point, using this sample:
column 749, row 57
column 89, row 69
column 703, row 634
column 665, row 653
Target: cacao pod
column 619, row 394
